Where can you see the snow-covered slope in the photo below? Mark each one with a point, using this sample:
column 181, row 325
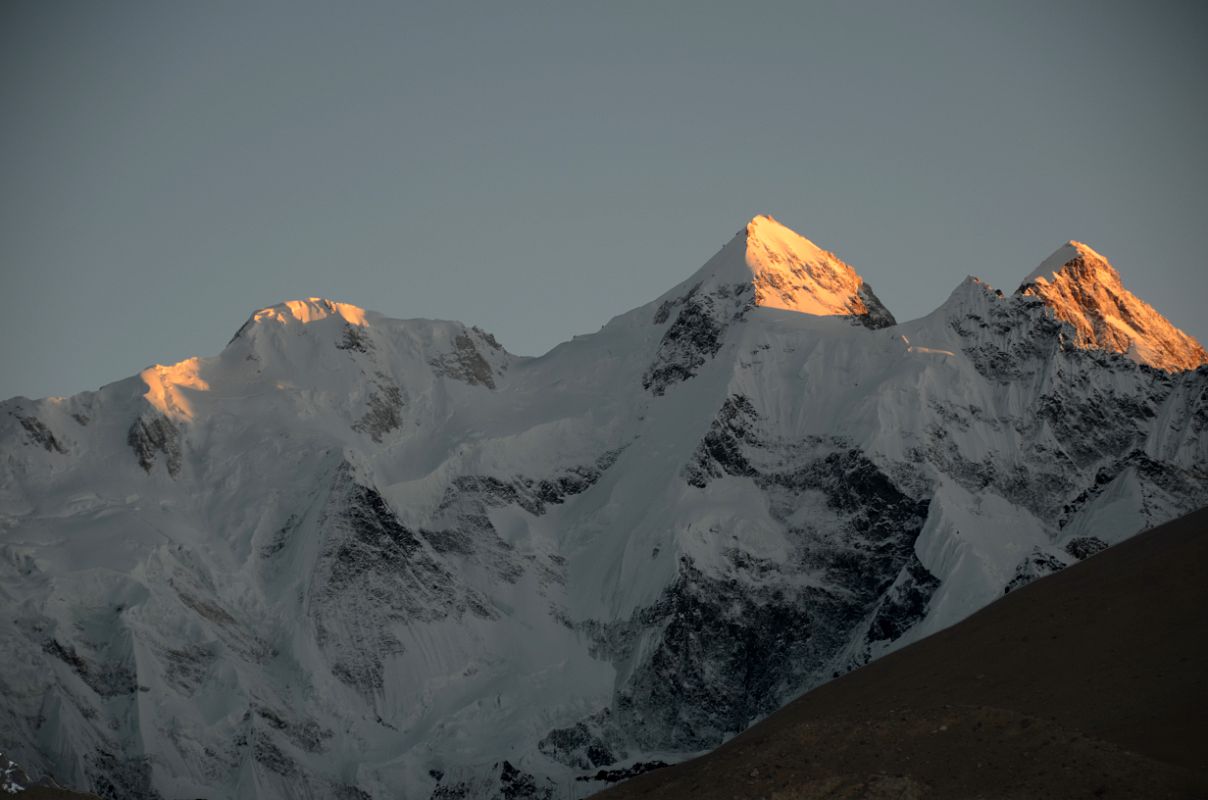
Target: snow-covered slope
column 352, row 556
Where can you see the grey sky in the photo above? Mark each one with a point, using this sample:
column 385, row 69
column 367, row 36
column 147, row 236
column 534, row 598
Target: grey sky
column 168, row 167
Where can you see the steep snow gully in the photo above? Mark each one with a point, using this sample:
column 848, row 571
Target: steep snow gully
column 353, row 556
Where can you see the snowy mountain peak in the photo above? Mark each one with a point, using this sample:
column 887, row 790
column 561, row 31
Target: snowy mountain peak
column 170, row 388
column 292, row 313
column 311, row 309
column 791, row 272
column 1082, row 288
column 788, row 271
column 1080, row 258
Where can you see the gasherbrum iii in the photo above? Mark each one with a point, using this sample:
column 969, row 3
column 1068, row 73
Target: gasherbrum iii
column 359, row 557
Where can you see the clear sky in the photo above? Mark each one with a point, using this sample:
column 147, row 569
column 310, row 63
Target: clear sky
column 535, row 169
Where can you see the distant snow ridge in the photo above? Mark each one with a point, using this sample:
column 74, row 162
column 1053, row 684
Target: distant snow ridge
column 358, row 557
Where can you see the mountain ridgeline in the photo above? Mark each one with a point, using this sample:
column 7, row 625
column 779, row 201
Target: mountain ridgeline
column 360, row 557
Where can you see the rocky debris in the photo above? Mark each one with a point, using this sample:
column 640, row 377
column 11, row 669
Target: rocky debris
column 155, row 433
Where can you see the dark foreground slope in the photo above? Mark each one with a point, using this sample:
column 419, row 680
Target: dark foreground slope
column 1090, row 683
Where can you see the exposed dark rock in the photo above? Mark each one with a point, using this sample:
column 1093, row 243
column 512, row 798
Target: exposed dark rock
column 280, row 538
column 582, row 745
column 268, row 754
column 515, row 784
column 721, row 451
column 623, row 774
column 489, row 338
column 1037, row 564
column 117, row 778
column 531, row 495
column 372, row 573
column 1179, row 486
column 877, row 315
column 385, row 410
column 905, row 604
column 733, row 645
column 465, row 363
column 105, row 678
column 355, row 339
column 1085, row 546
column 155, row 433
column 211, row 611
column 40, row 434
column 1011, row 339
column 185, row 668
column 695, row 335
column 305, row 734
column 506, row 782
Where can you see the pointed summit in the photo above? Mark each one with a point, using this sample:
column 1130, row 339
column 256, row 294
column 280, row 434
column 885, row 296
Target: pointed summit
column 1082, row 288
column 790, row 272
column 1076, row 256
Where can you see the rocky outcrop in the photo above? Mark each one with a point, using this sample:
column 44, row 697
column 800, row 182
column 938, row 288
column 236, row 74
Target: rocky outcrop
column 154, row 433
